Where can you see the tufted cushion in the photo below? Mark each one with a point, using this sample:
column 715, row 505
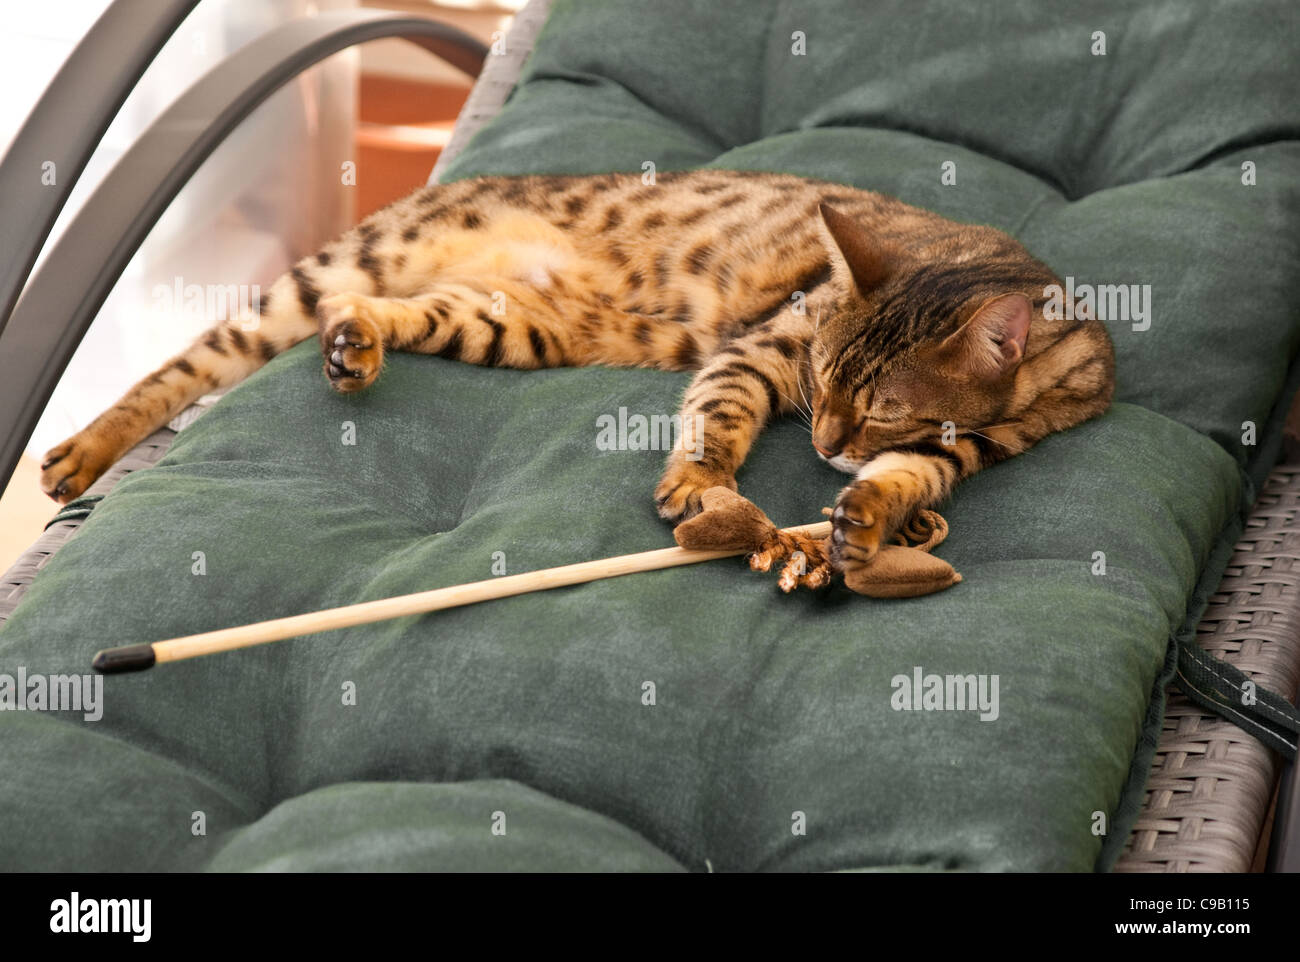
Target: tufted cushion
column 770, row 712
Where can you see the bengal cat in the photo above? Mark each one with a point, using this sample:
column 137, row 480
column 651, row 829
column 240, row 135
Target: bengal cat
column 918, row 347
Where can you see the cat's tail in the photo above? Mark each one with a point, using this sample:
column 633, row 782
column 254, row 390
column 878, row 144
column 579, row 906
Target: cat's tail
column 223, row 356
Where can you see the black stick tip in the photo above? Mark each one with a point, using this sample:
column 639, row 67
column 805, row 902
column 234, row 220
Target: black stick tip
column 113, row 661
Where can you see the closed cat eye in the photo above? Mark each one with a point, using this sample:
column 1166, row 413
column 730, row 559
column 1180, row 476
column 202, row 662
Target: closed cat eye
column 886, row 410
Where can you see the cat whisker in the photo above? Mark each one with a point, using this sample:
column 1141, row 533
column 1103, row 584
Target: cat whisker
column 987, row 438
column 803, row 410
column 803, row 418
column 796, row 408
column 798, row 377
column 805, row 414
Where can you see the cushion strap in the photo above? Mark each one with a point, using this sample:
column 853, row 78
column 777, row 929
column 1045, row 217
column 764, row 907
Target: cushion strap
column 1227, row 691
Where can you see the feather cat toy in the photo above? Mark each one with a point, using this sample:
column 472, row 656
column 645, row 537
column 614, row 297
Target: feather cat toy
column 901, row 570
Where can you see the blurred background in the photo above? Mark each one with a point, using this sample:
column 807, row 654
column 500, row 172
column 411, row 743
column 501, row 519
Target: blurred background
column 271, row 193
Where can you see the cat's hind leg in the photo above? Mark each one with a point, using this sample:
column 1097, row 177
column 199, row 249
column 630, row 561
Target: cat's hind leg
column 224, row 355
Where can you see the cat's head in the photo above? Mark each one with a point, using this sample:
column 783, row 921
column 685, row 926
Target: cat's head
column 920, row 337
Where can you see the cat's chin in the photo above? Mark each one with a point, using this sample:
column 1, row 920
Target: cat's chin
column 841, row 463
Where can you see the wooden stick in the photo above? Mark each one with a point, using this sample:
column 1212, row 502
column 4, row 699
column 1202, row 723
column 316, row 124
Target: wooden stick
column 139, row 657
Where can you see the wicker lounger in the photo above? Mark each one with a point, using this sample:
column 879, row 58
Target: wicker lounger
column 1211, row 783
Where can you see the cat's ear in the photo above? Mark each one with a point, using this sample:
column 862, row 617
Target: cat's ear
column 868, row 262
column 992, row 342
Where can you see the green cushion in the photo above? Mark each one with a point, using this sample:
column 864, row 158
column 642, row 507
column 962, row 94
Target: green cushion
column 1115, row 169
column 768, row 709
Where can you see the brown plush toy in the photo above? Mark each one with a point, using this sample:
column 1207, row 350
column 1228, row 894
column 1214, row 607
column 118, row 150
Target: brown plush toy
column 731, row 522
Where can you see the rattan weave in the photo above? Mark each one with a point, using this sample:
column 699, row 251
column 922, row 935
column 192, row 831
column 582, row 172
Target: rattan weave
column 1211, row 783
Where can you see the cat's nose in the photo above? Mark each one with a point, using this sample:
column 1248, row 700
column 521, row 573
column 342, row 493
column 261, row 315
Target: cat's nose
column 830, row 434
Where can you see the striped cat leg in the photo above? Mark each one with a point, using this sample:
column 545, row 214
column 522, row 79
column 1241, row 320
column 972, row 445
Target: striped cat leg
column 452, row 320
column 890, row 488
column 224, row 355
column 747, row 381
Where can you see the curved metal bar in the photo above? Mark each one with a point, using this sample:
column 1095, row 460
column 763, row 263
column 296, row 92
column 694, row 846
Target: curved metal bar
column 67, row 124
column 63, row 298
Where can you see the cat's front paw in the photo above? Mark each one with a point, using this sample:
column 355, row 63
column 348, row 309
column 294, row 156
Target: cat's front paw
column 68, row 469
column 679, row 491
column 863, row 520
column 351, row 343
